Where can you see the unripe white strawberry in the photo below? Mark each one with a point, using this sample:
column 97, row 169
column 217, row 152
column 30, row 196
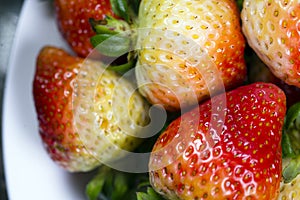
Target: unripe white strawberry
column 272, row 30
column 188, row 50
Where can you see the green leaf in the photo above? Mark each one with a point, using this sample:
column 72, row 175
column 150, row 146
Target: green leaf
column 291, row 170
column 121, row 186
column 145, row 183
column 291, row 132
column 123, row 67
column 108, row 188
column 111, row 45
column 287, row 150
column 98, row 39
column 142, row 196
column 291, row 143
column 111, row 184
column 95, row 186
column 240, row 4
column 134, row 5
column 293, row 117
column 120, row 8
column 150, row 195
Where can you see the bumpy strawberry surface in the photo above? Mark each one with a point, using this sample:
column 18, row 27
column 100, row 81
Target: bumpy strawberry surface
column 290, row 191
column 73, row 21
column 188, row 50
column 272, row 30
column 79, row 112
column 227, row 148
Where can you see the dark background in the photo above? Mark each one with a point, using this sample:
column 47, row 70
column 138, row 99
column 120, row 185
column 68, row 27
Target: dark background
column 9, row 15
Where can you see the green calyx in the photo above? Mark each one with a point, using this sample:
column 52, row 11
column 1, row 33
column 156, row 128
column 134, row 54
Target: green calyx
column 122, row 68
column 110, row 184
column 120, row 8
column 109, row 25
column 149, row 195
column 291, row 132
column 126, row 9
column 114, row 37
column 291, row 143
column 240, row 4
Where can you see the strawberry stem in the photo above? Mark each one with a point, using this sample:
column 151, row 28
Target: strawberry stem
column 114, row 38
column 109, row 25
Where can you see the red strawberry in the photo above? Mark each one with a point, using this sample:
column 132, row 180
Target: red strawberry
column 227, row 148
column 78, row 112
column 272, row 30
column 73, row 21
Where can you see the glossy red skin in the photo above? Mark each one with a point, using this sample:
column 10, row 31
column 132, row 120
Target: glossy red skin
column 73, row 21
column 223, row 152
column 52, row 92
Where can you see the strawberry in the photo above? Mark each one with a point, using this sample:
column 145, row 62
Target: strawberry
column 291, row 190
column 188, row 50
column 226, row 148
column 79, row 113
column 73, row 21
column 272, row 31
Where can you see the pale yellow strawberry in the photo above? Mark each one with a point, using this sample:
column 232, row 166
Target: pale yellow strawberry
column 272, row 30
column 188, row 50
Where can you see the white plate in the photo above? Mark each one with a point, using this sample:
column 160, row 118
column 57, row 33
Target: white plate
column 30, row 173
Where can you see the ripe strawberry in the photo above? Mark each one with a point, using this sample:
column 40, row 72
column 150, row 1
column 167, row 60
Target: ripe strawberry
column 272, row 30
column 188, row 50
column 79, row 107
column 73, row 21
column 227, row 148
